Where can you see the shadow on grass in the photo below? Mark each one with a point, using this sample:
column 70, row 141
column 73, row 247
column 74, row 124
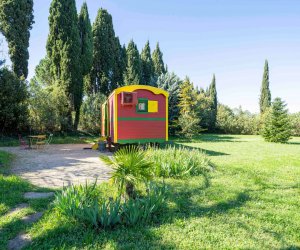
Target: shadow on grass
column 293, row 143
column 209, row 138
column 206, row 151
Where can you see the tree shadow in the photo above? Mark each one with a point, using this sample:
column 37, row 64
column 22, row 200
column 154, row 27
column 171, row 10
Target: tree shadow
column 206, row 151
column 210, row 138
column 293, row 143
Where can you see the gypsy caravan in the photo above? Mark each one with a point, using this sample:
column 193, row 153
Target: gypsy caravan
column 135, row 114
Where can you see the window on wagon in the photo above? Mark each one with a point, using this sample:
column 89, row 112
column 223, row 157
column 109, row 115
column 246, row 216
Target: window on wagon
column 142, row 105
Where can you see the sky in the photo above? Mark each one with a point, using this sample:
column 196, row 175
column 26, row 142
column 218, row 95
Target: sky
column 199, row 38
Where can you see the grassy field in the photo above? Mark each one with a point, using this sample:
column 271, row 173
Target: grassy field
column 251, row 202
column 12, row 189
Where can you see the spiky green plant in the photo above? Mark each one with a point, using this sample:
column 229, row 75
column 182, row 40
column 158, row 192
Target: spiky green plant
column 179, row 162
column 130, row 166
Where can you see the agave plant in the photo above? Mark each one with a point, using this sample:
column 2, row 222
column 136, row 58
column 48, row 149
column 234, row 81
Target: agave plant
column 130, row 166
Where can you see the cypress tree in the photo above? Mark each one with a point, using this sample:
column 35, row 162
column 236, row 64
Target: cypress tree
column 63, row 49
column 214, row 103
column 147, row 64
column 104, row 54
column 16, row 19
column 277, row 126
column 133, row 74
column 158, row 63
column 86, row 39
column 86, row 56
column 120, row 64
column 265, row 94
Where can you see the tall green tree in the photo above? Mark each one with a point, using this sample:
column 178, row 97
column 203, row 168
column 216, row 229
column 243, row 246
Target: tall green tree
column 13, row 102
column 133, row 74
column 147, row 65
column 104, row 54
column 189, row 119
column 171, row 83
column 120, row 64
column 265, row 93
column 63, row 50
column 86, row 55
column 86, row 39
column 16, row 19
column 158, row 63
column 277, row 127
column 214, row 103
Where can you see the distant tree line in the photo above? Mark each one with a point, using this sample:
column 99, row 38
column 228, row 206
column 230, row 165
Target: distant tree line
column 85, row 62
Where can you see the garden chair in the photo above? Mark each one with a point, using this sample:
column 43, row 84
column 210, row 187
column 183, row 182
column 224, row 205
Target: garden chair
column 23, row 144
column 45, row 143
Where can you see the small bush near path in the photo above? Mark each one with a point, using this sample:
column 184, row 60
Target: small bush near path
column 178, row 162
column 85, row 204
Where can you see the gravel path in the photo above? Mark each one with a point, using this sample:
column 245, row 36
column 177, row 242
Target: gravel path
column 58, row 165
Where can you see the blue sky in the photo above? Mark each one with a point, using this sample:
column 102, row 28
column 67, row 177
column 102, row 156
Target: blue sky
column 230, row 38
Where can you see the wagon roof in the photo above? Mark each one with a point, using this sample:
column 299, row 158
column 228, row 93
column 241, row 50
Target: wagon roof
column 131, row 88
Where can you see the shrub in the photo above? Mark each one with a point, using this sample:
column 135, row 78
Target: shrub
column 178, row 162
column 90, row 115
column 82, row 204
column 13, row 102
column 295, row 122
column 237, row 121
column 277, row 127
column 129, row 166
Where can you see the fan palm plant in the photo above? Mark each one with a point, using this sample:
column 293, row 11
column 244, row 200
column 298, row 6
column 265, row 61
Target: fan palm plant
column 130, row 166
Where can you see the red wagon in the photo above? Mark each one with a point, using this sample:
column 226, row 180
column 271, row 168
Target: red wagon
column 136, row 114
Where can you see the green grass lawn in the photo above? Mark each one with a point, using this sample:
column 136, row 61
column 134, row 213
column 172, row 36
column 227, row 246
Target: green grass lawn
column 12, row 189
column 252, row 202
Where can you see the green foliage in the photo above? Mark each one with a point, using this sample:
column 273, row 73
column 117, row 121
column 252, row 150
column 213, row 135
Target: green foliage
column 13, row 102
column 277, row 127
column 142, row 209
column 16, row 19
column 133, row 73
column 129, row 167
column 86, row 39
column 83, row 204
column 214, row 104
column 91, row 113
column 158, row 63
column 237, row 121
column 120, row 64
column 63, row 50
column 147, row 65
column 179, row 162
column 295, row 123
column 86, row 57
column 265, row 95
column 47, row 106
column 105, row 53
column 188, row 119
column 171, row 83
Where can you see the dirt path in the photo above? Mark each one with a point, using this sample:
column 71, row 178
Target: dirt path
column 58, row 165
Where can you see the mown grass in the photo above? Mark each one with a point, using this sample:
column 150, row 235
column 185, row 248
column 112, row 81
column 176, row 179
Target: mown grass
column 12, row 189
column 252, row 202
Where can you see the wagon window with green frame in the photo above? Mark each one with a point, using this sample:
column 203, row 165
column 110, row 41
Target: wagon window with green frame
column 142, row 105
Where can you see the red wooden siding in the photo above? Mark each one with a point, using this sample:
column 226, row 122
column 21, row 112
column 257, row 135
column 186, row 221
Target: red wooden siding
column 142, row 129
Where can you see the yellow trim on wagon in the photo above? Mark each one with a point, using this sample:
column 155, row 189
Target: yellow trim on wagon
column 115, row 118
column 131, row 88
